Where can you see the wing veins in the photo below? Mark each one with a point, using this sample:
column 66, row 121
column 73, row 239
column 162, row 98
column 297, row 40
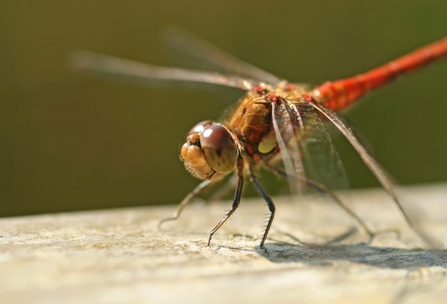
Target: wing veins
column 288, row 148
column 202, row 51
column 411, row 218
column 150, row 74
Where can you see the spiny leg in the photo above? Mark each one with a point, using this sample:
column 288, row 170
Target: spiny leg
column 269, row 202
column 185, row 202
column 230, row 185
column 236, row 200
column 322, row 188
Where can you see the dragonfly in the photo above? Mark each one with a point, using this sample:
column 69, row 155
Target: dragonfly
column 277, row 125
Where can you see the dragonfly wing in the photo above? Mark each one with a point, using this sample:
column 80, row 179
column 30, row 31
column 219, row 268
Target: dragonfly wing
column 283, row 121
column 306, row 148
column 149, row 74
column 321, row 160
column 411, row 215
column 191, row 50
column 310, row 159
column 369, row 161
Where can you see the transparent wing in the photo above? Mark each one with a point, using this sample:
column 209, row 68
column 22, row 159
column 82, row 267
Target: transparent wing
column 321, row 160
column 149, row 74
column 310, row 158
column 412, row 218
column 306, row 148
column 285, row 128
column 194, row 51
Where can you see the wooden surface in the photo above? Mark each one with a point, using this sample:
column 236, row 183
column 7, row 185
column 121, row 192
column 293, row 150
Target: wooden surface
column 120, row 256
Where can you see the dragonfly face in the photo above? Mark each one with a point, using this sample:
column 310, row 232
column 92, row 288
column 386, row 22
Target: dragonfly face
column 209, row 151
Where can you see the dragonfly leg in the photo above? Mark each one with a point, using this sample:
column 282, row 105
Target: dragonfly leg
column 185, row 202
column 236, row 200
column 230, row 185
column 322, row 188
column 269, row 202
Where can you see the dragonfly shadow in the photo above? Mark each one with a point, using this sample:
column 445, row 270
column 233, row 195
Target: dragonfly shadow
column 325, row 255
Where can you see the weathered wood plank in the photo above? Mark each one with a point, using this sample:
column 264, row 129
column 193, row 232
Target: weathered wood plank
column 121, row 256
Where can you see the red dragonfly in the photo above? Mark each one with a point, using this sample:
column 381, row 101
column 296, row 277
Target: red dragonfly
column 274, row 120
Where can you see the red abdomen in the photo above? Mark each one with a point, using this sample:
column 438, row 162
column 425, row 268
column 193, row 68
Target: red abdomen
column 339, row 94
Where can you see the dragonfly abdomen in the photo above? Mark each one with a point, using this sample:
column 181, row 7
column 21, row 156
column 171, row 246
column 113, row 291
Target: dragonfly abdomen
column 339, row 94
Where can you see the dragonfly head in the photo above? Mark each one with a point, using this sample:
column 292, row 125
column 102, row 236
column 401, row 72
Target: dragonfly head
column 209, row 151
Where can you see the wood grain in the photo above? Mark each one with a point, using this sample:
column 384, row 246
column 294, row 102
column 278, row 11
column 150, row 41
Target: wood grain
column 315, row 253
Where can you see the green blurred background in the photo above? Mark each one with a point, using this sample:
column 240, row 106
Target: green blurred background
column 73, row 142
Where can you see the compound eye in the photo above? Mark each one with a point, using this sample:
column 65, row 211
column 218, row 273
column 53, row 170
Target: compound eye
column 219, row 148
column 198, row 128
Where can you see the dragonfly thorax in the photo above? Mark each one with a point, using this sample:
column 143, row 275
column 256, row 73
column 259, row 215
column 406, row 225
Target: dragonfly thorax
column 210, row 151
